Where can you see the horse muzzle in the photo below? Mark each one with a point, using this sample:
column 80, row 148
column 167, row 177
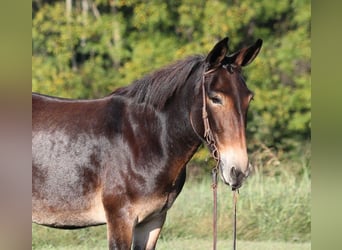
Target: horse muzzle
column 233, row 175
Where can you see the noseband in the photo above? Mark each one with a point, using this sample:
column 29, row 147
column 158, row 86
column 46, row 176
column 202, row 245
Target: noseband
column 210, row 140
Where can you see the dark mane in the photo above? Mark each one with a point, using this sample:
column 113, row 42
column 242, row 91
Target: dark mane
column 156, row 88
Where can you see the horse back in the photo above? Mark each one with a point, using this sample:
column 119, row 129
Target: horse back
column 71, row 140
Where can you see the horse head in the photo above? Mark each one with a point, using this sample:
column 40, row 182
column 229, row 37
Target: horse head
column 224, row 102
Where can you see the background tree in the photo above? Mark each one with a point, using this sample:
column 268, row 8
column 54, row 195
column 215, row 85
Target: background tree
column 87, row 48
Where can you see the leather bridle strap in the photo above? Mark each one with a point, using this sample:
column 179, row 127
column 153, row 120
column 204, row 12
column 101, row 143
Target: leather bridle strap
column 208, row 135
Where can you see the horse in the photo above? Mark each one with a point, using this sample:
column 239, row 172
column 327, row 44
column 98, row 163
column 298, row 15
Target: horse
column 121, row 159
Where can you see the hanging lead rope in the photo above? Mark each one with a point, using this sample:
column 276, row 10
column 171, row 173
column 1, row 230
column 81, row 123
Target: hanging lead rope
column 235, row 198
column 214, row 186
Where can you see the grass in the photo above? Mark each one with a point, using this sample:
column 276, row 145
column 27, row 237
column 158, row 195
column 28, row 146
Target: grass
column 191, row 244
column 269, row 208
column 195, row 244
column 273, row 212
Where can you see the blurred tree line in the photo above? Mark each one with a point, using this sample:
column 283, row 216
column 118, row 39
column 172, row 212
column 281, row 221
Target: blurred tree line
column 87, row 48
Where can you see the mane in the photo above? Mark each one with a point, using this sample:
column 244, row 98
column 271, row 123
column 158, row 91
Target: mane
column 158, row 87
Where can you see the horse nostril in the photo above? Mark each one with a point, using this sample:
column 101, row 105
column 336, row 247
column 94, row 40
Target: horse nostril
column 233, row 172
column 237, row 177
column 236, row 174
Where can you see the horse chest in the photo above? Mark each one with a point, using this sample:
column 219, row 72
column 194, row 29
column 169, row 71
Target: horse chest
column 150, row 206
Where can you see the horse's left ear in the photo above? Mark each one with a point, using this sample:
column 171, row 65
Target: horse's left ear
column 218, row 53
column 246, row 55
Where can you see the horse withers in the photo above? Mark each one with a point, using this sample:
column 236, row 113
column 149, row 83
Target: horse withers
column 121, row 160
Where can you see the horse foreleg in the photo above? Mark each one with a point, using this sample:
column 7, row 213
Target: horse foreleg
column 147, row 233
column 119, row 233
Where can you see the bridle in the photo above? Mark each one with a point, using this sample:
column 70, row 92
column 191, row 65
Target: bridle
column 210, row 140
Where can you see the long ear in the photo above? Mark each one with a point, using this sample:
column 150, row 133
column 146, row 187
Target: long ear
column 246, row 55
column 218, row 53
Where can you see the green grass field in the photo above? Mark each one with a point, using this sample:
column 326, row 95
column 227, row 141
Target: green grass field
column 95, row 238
column 190, row 244
column 273, row 213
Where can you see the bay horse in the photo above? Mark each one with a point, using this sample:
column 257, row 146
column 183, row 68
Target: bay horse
column 121, row 160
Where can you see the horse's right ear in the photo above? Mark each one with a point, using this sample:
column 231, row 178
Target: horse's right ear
column 218, row 53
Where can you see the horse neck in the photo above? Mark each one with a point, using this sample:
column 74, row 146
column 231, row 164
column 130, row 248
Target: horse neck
column 180, row 133
column 181, row 140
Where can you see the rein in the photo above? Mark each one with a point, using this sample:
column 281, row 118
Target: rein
column 209, row 138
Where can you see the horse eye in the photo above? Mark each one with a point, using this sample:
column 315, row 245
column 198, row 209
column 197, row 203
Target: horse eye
column 215, row 99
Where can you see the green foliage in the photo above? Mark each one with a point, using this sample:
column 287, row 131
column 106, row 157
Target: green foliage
column 95, row 46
